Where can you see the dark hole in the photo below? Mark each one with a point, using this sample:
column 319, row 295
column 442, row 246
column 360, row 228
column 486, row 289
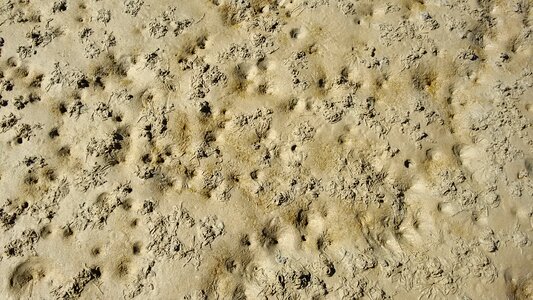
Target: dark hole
column 136, row 249
column 62, row 108
column 293, row 147
column 305, row 279
column 331, row 270
column 98, row 82
column 204, row 108
column 33, row 98
column 50, row 174
column 245, row 241
column 407, row 163
column 294, row 33
column 117, row 136
column 126, row 205
column 146, row 158
column 64, row 151
column 53, row 133
column 19, row 140
column 253, row 175
column 45, row 231
column 63, row 7
column 67, row 232
column 148, row 206
column 83, row 83
column 95, row 272
column 321, row 83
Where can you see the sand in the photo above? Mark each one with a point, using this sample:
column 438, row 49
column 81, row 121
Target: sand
column 266, row 149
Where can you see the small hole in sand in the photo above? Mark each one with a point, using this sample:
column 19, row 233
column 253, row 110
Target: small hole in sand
column 126, row 205
column 415, row 224
column 201, row 41
column 12, row 62
column 146, row 158
column 262, row 89
column 230, row 265
column 83, row 83
column 95, row 251
column 294, row 33
column 62, row 108
column 136, row 248
column 253, row 174
column 407, row 163
column 31, row 180
column 22, row 72
column 45, row 231
column 321, row 83
column 122, row 269
column 205, row 109
column 53, row 133
column 64, row 151
column 11, row 251
column 245, row 241
column 67, row 232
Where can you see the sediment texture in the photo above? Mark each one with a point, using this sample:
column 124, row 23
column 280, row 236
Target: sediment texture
column 266, row 149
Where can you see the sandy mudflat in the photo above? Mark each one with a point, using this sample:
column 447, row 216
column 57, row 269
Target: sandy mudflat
column 266, row 149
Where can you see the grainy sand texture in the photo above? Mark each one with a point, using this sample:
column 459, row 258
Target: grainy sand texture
column 266, row 149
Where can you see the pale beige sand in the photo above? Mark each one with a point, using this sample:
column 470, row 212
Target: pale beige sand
column 266, row 149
